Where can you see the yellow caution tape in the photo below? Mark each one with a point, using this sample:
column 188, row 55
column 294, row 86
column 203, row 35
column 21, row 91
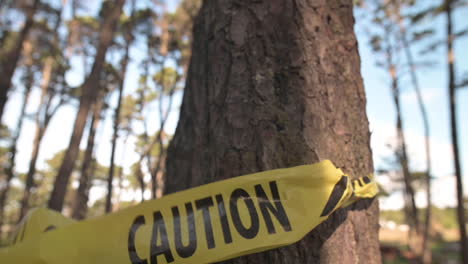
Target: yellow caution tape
column 38, row 221
column 207, row 224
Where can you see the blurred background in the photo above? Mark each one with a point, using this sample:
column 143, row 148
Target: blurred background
column 414, row 65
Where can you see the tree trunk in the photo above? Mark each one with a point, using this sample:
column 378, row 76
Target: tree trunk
column 141, row 181
column 120, row 175
column 454, row 133
column 90, row 89
column 80, row 205
column 402, row 156
column 158, row 167
column 427, row 258
column 42, row 122
column 115, row 135
column 276, row 84
column 10, row 171
column 9, row 60
column 40, row 131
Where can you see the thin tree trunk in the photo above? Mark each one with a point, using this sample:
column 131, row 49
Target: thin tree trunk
column 90, row 89
column 44, row 114
column 80, row 206
column 402, row 152
column 31, row 171
column 453, row 126
column 121, row 174
column 402, row 155
column 162, row 151
column 10, row 171
column 411, row 211
column 274, row 84
column 43, row 118
column 163, row 50
column 427, row 258
column 115, row 135
column 9, row 60
column 141, row 182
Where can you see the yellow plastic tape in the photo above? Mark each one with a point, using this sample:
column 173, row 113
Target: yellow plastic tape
column 207, row 224
column 37, row 222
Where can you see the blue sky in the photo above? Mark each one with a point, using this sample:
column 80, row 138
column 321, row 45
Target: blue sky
column 379, row 107
column 433, row 82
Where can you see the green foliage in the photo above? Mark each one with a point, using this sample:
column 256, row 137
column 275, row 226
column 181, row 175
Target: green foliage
column 128, row 113
column 59, row 42
column 167, row 79
column 83, row 34
column 4, row 132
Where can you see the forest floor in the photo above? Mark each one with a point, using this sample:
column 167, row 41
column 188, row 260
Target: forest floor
column 394, row 246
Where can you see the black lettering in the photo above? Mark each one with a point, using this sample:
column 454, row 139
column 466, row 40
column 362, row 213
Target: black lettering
column 204, row 205
column 160, row 230
column 335, row 196
column 134, row 258
column 366, row 180
column 185, row 251
column 224, row 220
column 266, row 207
column 49, row 228
column 251, row 232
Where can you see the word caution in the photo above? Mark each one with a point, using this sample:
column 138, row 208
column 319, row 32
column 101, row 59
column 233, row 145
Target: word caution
column 206, row 224
column 212, row 208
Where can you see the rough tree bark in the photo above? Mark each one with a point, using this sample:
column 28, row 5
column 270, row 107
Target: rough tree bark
column 272, row 84
column 90, row 89
column 9, row 60
column 454, row 133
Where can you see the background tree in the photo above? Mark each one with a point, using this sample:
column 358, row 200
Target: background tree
column 275, row 84
column 386, row 42
column 10, row 169
column 127, row 28
column 110, row 80
column 88, row 96
column 10, row 54
column 54, row 93
column 447, row 8
column 407, row 41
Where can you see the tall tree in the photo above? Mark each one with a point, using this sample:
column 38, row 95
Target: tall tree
column 276, row 84
column 109, row 80
column 127, row 34
column 172, row 46
column 80, row 205
column 447, row 8
column 386, row 42
column 10, row 57
column 451, row 87
column 46, row 110
column 54, row 93
column 90, row 89
column 406, row 46
column 10, row 170
column 167, row 81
